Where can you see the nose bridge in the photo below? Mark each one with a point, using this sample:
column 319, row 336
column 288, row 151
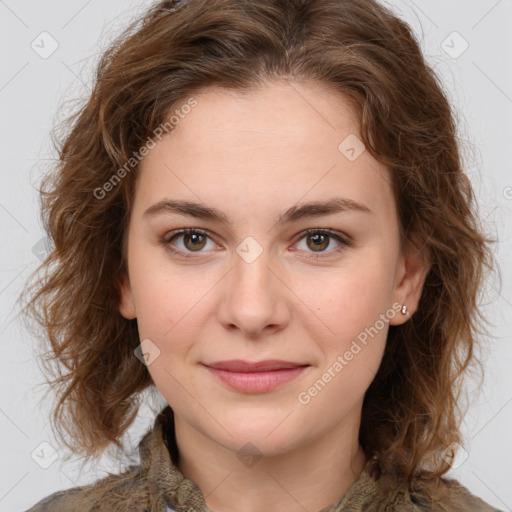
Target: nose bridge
column 253, row 267
column 252, row 276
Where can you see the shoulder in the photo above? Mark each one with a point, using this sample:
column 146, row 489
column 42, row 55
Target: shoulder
column 446, row 494
column 385, row 492
column 125, row 492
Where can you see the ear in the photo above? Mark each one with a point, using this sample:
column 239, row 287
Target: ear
column 126, row 301
column 412, row 271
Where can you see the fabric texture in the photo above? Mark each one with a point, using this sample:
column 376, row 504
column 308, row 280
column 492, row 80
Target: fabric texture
column 157, row 485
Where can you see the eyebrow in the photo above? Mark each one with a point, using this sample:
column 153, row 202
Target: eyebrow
column 292, row 214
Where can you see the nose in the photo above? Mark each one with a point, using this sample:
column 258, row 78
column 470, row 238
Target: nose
column 255, row 299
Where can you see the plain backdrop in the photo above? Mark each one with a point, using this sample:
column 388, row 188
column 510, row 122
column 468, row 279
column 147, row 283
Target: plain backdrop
column 48, row 52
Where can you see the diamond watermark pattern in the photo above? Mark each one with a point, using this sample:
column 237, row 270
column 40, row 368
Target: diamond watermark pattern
column 147, row 352
column 455, row 455
column 44, row 45
column 352, row 147
column 454, row 45
column 42, row 248
column 249, row 454
column 249, row 249
column 44, row 455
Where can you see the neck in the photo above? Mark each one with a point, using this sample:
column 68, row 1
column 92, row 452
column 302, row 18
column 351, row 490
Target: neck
column 311, row 476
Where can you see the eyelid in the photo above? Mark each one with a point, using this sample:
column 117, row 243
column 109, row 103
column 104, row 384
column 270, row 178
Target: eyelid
column 331, row 232
column 183, row 231
column 342, row 238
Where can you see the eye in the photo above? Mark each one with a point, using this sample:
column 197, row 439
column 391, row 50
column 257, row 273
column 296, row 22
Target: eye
column 318, row 240
column 193, row 240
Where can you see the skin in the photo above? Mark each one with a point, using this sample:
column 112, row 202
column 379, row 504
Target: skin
column 253, row 155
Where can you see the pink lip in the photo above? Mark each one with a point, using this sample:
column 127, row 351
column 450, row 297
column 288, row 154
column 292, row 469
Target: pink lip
column 239, row 365
column 256, row 377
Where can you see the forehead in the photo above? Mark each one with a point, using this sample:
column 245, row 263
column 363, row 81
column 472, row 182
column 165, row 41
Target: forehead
column 293, row 111
column 270, row 145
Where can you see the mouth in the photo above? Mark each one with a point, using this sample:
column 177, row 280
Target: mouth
column 239, row 365
column 255, row 377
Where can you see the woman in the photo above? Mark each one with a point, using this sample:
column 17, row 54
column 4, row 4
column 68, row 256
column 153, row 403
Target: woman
column 261, row 212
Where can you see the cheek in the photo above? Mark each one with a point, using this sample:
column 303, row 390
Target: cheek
column 348, row 300
column 354, row 337
column 171, row 307
column 160, row 300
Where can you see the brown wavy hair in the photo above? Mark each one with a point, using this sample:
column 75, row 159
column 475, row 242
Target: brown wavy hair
column 361, row 50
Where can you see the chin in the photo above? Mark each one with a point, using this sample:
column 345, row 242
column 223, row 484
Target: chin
column 265, row 437
column 257, row 445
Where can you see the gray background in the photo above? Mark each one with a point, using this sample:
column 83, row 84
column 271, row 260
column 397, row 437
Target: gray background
column 33, row 84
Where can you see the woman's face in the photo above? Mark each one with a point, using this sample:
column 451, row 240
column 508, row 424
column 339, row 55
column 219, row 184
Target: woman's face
column 252, row 172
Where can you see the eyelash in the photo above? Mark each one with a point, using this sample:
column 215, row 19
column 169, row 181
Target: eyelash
column 342, row 239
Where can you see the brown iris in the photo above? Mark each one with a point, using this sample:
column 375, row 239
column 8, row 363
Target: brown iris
column 198, row 241
column 321, row 241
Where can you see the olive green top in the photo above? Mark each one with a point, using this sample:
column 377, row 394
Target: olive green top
column 157, row 485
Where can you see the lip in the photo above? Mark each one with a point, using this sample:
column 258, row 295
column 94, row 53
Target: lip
column 255, row 377
column 239, row 365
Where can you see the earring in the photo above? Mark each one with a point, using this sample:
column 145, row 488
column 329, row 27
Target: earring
column 405, row 311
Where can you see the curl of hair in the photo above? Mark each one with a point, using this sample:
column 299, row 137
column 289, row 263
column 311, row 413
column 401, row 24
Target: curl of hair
column 357, row 48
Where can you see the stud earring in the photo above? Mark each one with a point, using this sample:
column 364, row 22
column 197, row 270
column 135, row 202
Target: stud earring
column 405, row 311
